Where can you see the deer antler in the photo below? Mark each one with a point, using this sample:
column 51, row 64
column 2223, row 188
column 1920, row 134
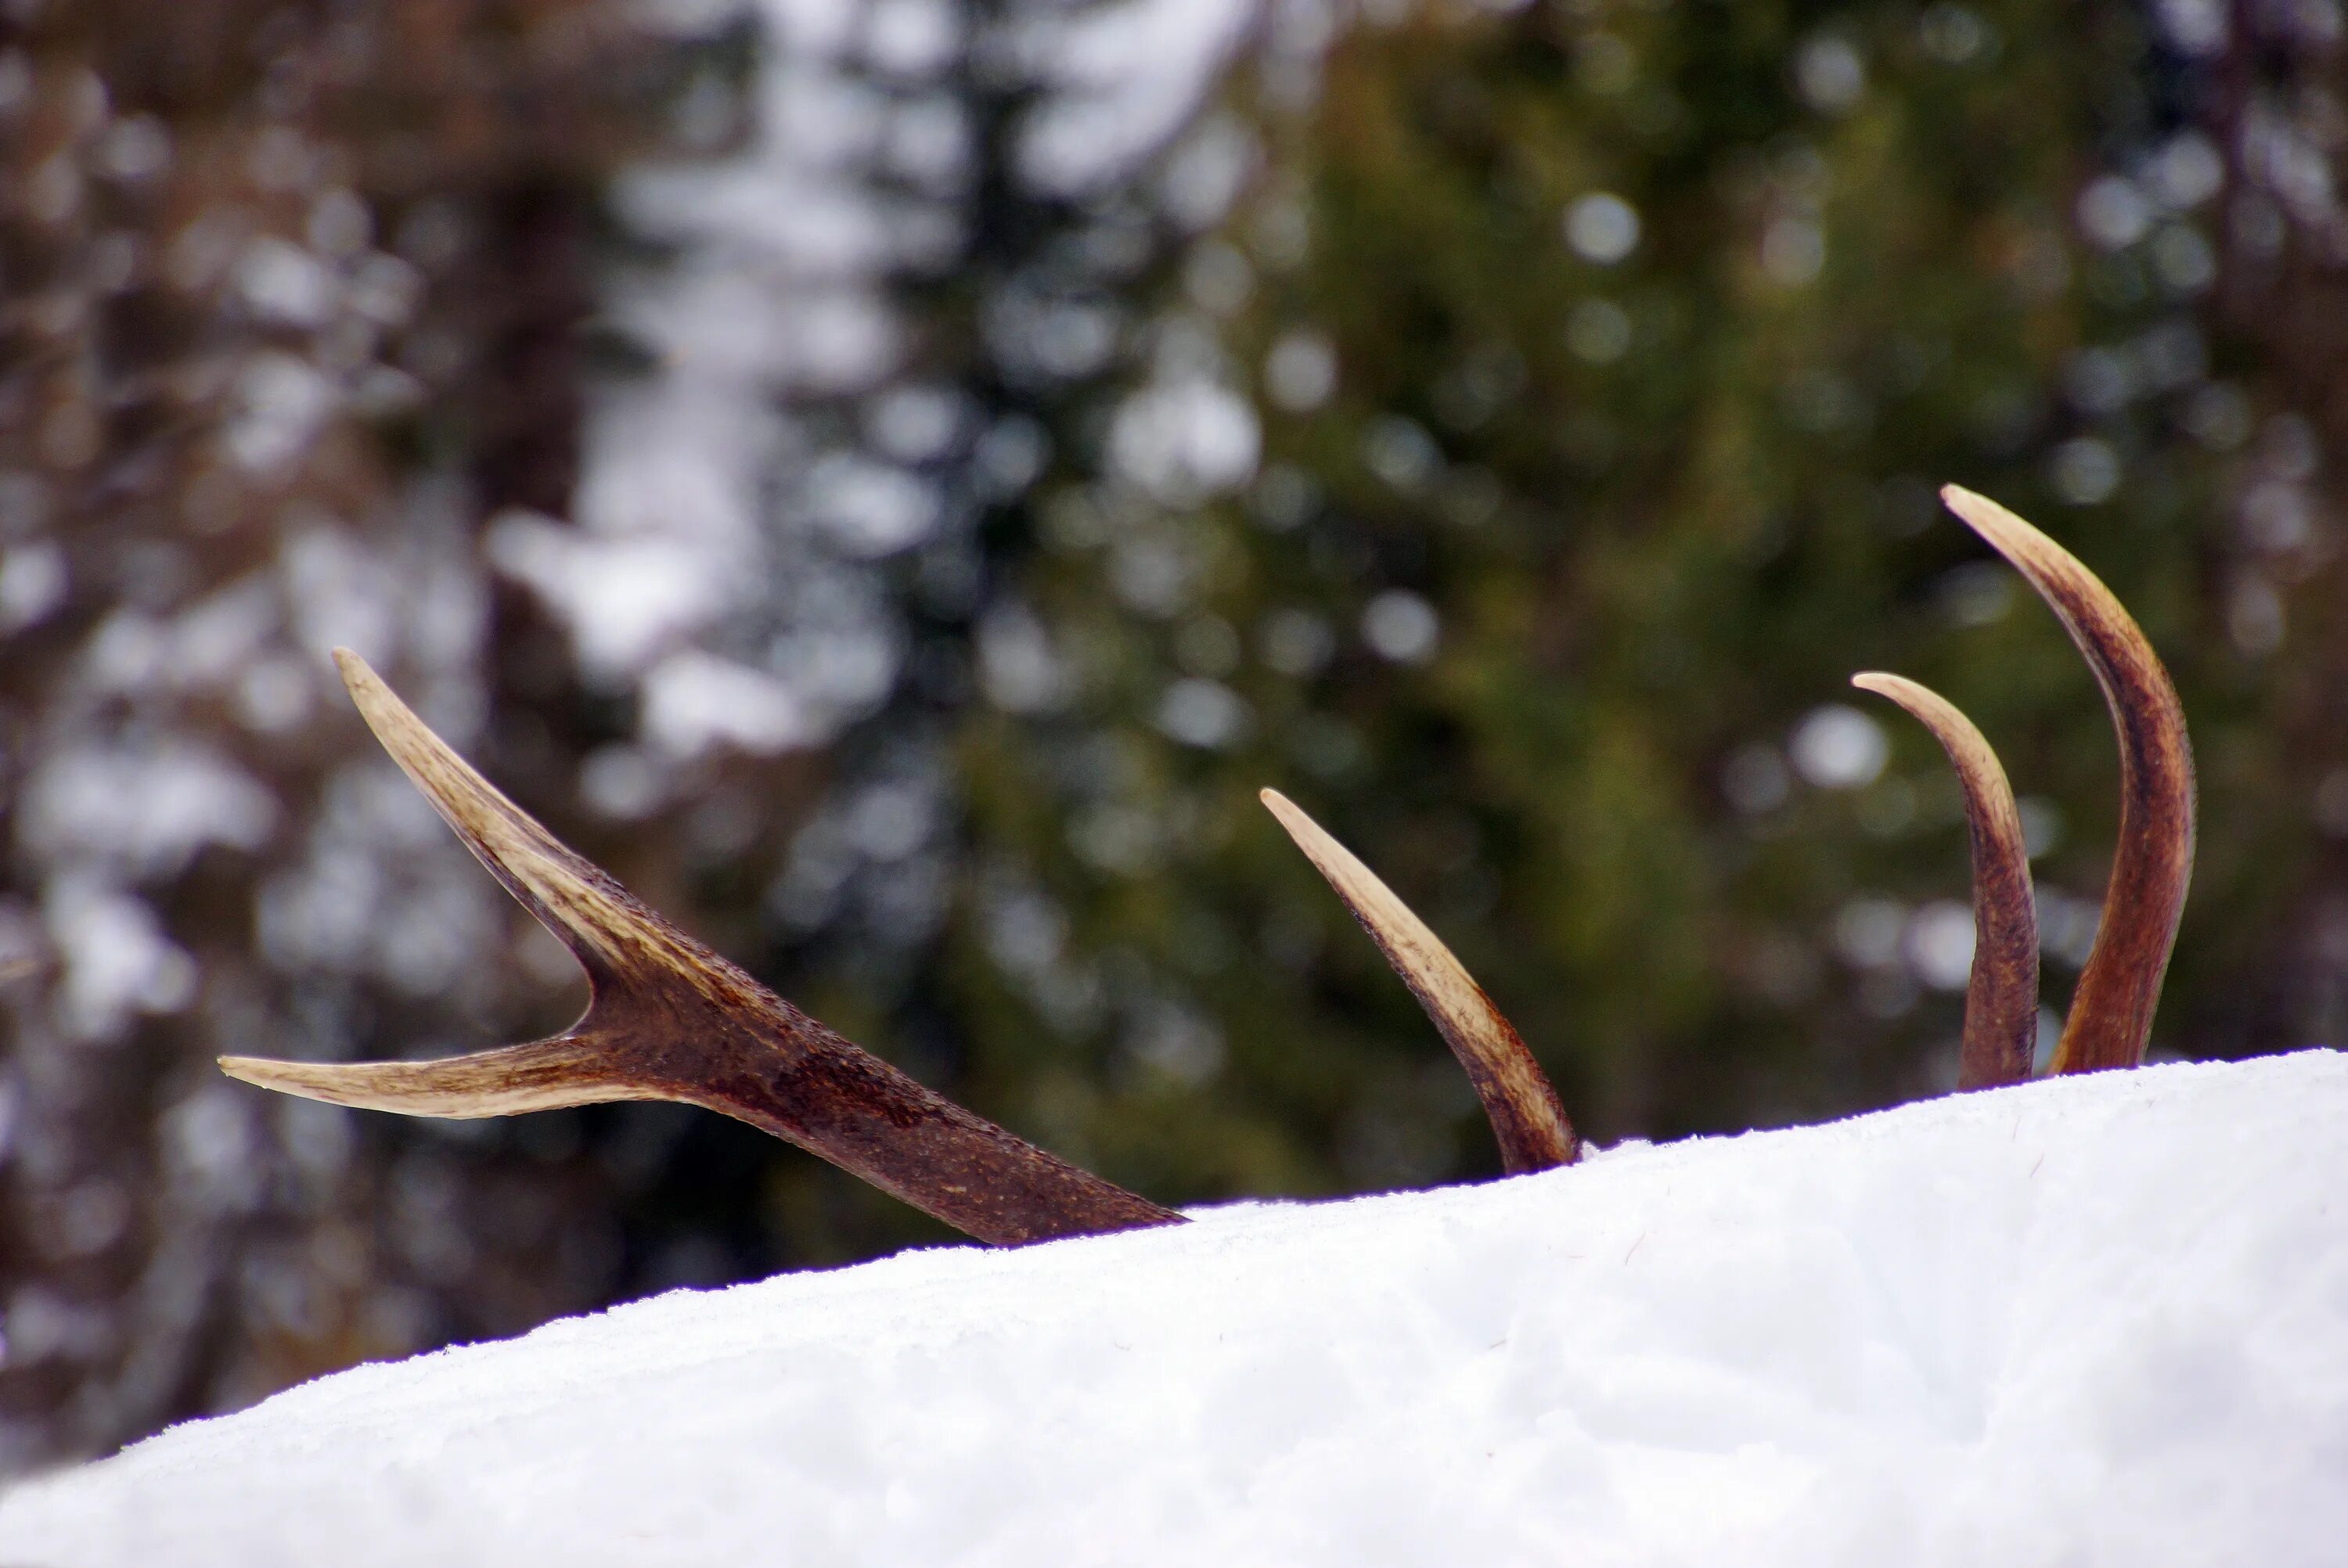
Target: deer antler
column 2001, row 996
column 1519, row 1101
column 669, row 1019
column 2111, row 1012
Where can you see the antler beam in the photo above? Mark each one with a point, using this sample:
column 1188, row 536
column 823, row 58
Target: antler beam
column 670, row 1020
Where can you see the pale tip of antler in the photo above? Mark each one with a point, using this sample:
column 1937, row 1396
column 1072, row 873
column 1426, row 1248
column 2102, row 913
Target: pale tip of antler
column 472, row 805
column 2001, row 996
column 476, row 808
column 540, row 1076
column 1527, row 1120
column 2120, row 989
column 574, row 898
column 400, row 731
column 2018, row 539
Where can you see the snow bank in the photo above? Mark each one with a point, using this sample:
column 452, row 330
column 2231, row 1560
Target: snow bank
column 2097, row 1320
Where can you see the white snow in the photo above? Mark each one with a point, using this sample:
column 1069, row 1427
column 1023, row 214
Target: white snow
column 2098, row 1320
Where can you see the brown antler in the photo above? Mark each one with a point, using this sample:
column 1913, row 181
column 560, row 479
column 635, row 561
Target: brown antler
column 2111, row 1012
column 1522, row 1107
column 2001, row 996
column 669, row 1019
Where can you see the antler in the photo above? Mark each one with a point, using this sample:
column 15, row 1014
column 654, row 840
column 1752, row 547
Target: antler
column 1525, row 1117
column 667, row 1019
column 2001, row 996
column 2111, row 1012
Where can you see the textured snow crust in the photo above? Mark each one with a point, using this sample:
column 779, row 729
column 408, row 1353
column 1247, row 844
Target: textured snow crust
column 2101, row 1320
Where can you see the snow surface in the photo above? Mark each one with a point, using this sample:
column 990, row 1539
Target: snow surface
column 2098, row 1320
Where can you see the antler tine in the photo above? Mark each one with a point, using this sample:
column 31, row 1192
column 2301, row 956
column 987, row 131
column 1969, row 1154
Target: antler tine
column 2111, row 1012
column 2002, row 994
column 670, row 1020
column 540, row 1076
column 1525, row 1117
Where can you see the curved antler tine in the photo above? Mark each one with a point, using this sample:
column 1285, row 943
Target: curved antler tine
column 670, row 1020
column 540, row 1076
column 2111, row 1012
column 2001, row 996
column 1522, row 1107
column 591, row 913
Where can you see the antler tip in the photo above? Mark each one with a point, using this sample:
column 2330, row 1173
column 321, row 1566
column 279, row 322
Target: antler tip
column 1934, row 711
column 358, row 676
column 375, row 701
column 1966, row 503
column 310, row 1081
column 1285, row 809
column 2006, row 530
column 1325, row 853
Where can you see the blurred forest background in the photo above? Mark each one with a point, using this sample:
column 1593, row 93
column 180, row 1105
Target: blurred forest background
column 892, row 479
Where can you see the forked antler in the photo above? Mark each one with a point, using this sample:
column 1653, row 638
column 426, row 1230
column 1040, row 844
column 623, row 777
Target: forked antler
column 1519, row 1101
column 669, row 1019
column 2112, row 1009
